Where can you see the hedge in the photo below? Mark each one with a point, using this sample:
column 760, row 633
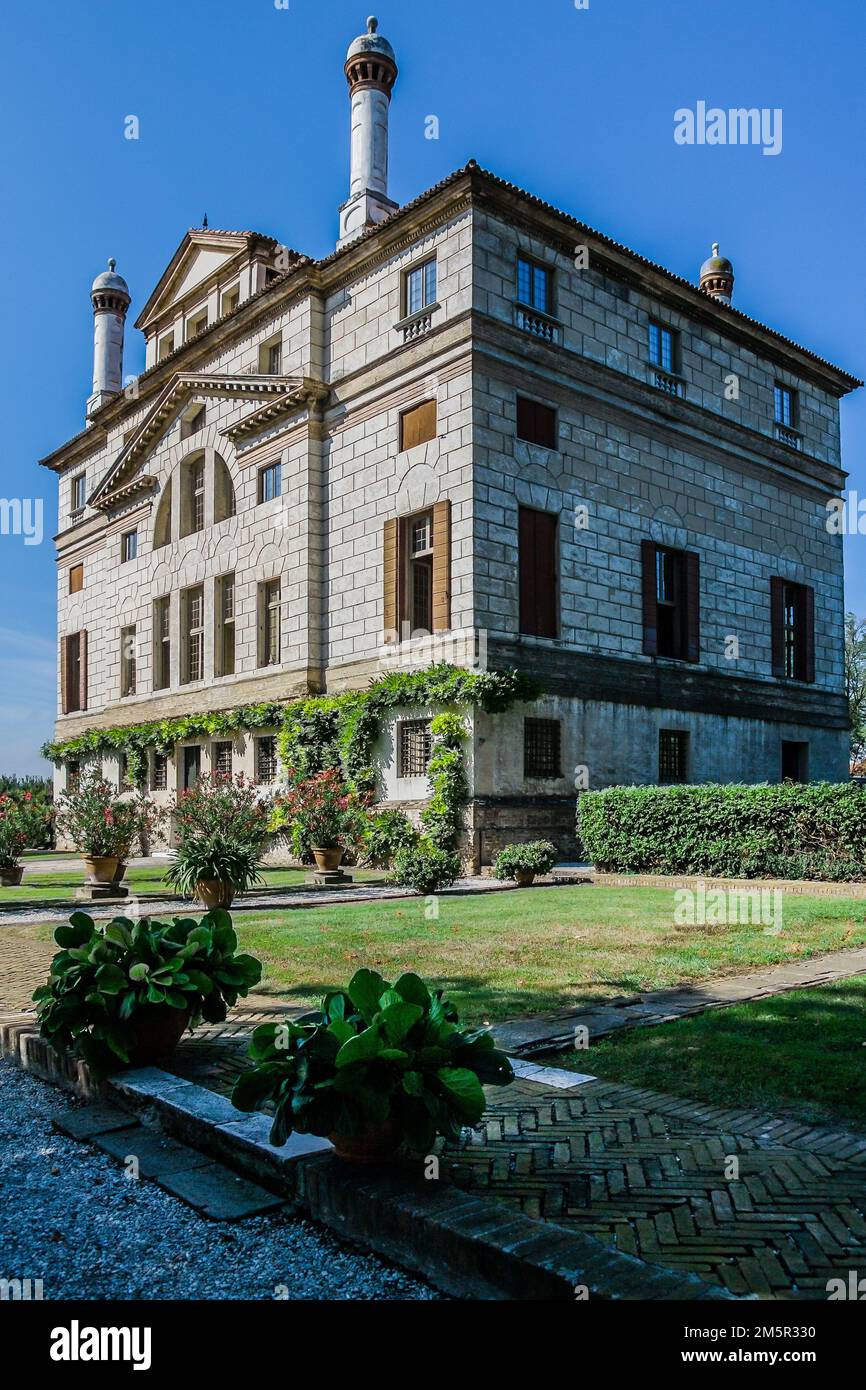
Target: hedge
column 786, row 830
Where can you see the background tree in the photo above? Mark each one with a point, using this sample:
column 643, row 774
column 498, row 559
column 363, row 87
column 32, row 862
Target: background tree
column 855, row 688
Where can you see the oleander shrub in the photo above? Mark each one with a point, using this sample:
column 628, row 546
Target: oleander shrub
column 788, row 830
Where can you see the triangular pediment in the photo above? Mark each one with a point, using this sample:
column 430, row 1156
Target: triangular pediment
column 128, row 472
column 201, row 255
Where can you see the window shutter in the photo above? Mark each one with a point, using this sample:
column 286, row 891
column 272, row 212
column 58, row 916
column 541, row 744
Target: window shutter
column 526, row 544
column 692, row 569
column 391, row 565
column 418, row 425
column 537, row 567
column 649, row 593
column 809, row 633
column 441, row 566
column 777, row 624
column 82, row 668
column 64, row 675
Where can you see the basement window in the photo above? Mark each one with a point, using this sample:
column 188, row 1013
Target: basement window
column 673, row 755
column 414, row 747
column 541, row 748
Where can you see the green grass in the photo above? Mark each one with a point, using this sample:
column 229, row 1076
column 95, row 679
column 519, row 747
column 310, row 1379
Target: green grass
column 46, row 889
column 800, row 1054
column 532, row 950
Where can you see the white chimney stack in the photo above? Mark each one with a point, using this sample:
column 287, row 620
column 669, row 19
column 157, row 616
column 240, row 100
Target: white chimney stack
column 110, row 297
column 371, row 71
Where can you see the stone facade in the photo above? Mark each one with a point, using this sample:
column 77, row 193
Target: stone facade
column 312, row 364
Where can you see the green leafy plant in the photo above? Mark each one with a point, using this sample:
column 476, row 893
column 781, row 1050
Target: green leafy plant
column 214, row 857
column 105, row 975
column 538, row 857
column 387, row 832
column 425, row 867
column 95, row 819
column 376, row 1055
column 22, row 826
column 320, row 812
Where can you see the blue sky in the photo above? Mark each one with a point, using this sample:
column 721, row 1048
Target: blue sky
column 243, row 114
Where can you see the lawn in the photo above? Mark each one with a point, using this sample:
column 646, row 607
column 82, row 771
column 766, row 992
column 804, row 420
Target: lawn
column 45, row 889
column 800, row 1053
column 531, row 950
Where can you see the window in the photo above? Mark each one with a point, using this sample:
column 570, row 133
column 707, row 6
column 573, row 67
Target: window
column 420, row 288
column 418, row 425
column 193, row 650
column 662, row 347
column 162, row 526
column 270, row 482
column 193, row 421
column 417, row 573
column 266, row 759
column 671, row 602
column 224, row 504
column 269, row 623
column 533, row 285
column 192, row 496
column 159, row 772
column 539, row 600
column 414, row 747
column 162, row 643
column 541, row 748
column 127, row 661
column 785, row 406
column 221, row 759
column 230, row 300
column 73, row 775
column 224, row 647
column 128, row 546
column 419, row 577
column 166, row 346
column 196, row 324
column 78, row 494
column 536, row 423
column 673, row 755
column 795, row 761
column 73, row 672
column 271, row 357
column 76, row 579
column 793, row 630
column 191, row 766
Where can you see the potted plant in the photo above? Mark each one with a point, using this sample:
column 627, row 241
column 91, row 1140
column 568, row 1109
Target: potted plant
column 523, row 862
column 379, row 1067
column 22, row 824
column 425, row 867
column 221, row 826
column 94, row 819
column 122, row 993
column 323, row 816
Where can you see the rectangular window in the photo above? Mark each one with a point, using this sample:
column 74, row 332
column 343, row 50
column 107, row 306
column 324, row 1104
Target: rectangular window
column 266, row 759
column 541, row 748
column 662, row 347
column 225, row 633
column 73, row 775
column 270, row 482
column 230, row 300
column 193, row 610
column 270, row 602
column 128, row 546
column 221, row 759
column 671, row 602
column 536, row 423
column 166, row 346
column 78, row 494
column 414, row 747
column 275, row 359
column 795, row 761
column 420, row 288
column 162, row 643
column 197, row 495
column 418, row 425
column 76, row 579
column 538, row 564
column 785, row 406
column 673, row 755
column 194, row 421
column 794, row 631
column 196, row 324
column 670, row 593
column 159, row 772
column 127, row 661
column 418, row 596
column 533, row 285
column 191, row 766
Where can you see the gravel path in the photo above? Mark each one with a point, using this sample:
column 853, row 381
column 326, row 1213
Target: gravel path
column 69, row 1217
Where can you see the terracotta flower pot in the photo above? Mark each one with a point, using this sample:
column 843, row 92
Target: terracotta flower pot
column 100, row 868
column 376, row 1146
column 328, row 859
column 11, row 877
column 524, row 877
column 215, row 892
column 156, row 1031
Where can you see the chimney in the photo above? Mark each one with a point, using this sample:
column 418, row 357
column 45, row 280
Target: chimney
column 371, row 71
column 717, row 276
column 110, row 297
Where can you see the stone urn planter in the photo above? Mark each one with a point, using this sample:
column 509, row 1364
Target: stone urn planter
column 215, row 892
column 328, row 859
column 376, row 1146
column 11, row 875
column 524, row 878
column 156, row 1030
column 101, row 868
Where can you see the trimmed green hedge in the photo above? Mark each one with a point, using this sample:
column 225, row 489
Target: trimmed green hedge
column 789, row 830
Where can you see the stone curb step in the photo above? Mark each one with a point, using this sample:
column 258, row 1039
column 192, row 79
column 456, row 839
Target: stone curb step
column 470, row 1247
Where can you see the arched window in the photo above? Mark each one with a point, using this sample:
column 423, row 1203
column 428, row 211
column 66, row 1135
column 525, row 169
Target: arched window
column 223, row 491
column 162, row 530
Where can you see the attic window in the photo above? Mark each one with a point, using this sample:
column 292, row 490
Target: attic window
column 196, row 324
column 193, row 421
column 271, row 357
column 166, row 346
column 230, row 300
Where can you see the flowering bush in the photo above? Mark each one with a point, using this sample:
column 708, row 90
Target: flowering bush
column 320, row 812
column 99, row 824
column 23, row 821
column 232, row 808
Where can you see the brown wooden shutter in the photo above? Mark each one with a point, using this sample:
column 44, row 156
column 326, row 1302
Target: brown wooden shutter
column 649, row 593
column 418, row 425
column 442, row 566
column 82, row 669
column 76, row 579
column 777, row 624
column 692, row 572
column 536, row 422
column 391, row 558
column 808, row 633
column 539, row 599
column 64, row 675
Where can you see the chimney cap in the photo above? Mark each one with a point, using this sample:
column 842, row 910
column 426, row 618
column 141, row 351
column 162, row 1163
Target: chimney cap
column 371, row 44
column 717, row 276
column 109, row 281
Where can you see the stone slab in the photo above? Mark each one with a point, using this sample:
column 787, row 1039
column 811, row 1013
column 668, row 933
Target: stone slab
column 558, row 1077
column 157, row 1155
column 91, row 1121
column 220, row 1194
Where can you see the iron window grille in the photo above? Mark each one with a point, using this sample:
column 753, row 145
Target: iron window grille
column 673, row 755
column 541, row 748
column 266, row 758
column 414, row 747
